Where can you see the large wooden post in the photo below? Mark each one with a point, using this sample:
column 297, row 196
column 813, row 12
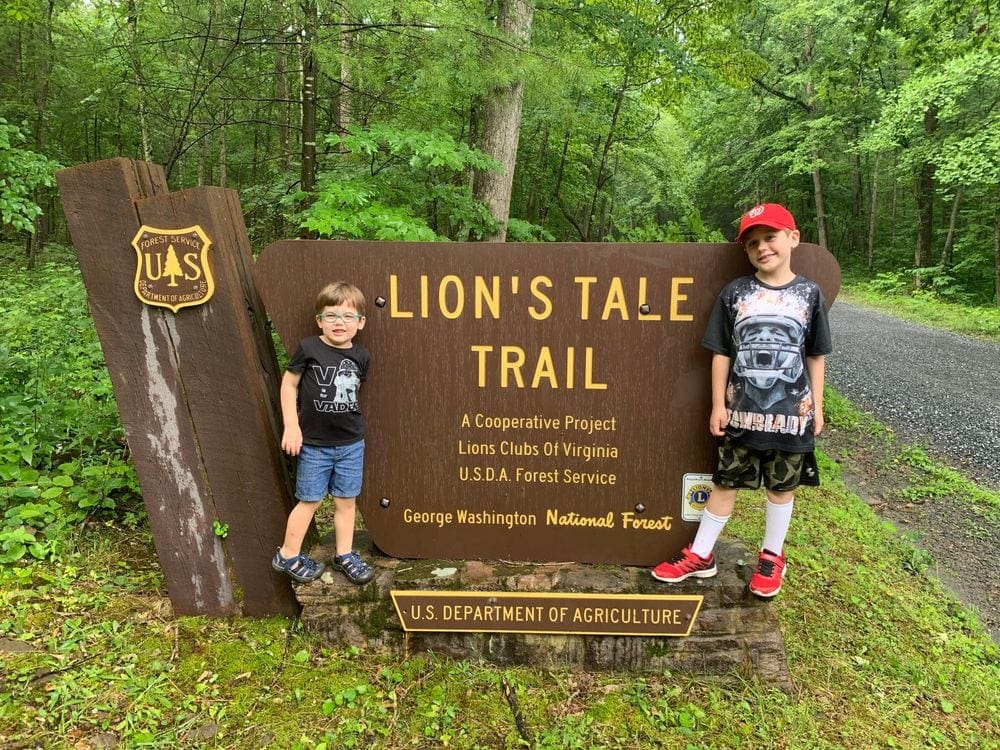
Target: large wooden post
column 197, row 388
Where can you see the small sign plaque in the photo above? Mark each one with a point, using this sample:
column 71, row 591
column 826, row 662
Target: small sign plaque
column 694, row 496
column 548, row 613
column 172, row 267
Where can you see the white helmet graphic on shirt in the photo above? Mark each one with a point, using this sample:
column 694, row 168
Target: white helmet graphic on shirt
column 346, row 382
column 767, row 348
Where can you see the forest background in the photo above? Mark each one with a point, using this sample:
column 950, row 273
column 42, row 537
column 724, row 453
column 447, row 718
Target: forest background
column 570, row 120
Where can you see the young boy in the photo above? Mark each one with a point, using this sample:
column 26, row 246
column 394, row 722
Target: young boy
column 325, row 428
column 770, row 333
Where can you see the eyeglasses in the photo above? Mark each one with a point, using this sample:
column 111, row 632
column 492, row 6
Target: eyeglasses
column 330, row 317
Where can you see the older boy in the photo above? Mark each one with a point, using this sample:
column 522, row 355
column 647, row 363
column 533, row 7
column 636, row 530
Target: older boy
column 324, row 427
column 770, row 333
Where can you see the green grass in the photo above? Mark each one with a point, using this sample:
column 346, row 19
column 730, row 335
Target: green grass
column 880, row 654
column 975, row 321
column 920, row 476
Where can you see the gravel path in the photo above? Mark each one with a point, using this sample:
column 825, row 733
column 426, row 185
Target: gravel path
column 935, row 389
column 930, row 386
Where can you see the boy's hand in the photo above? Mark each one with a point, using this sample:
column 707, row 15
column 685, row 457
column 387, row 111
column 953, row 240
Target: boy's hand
column 291, row 441
column 818, row 422
column 718, row 420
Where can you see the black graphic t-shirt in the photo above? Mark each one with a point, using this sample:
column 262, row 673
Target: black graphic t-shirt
column 767, row 333
column 328, row 391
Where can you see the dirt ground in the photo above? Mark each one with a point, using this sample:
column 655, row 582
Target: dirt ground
column 961, row 539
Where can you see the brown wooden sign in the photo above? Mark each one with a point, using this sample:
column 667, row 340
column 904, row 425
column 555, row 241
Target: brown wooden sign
column 542, row 402
column 551, row 613
column 197, row 388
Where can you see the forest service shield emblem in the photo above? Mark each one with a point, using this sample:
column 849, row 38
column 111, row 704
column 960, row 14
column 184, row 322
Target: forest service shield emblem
column 172, row 268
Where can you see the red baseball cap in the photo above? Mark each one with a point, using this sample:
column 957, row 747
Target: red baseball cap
column 767, row 215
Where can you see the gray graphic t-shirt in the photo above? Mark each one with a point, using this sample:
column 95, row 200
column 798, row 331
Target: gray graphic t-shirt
column 767, row 332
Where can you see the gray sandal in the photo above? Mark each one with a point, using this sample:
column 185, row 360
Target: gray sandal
column 301, row 567
column 352, row 566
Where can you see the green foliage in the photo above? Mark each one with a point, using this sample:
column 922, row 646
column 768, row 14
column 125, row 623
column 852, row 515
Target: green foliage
column 348, row 209
column 19, row 11
column 519, row 230
column 62, row 452
column 21, row 172
column 963, row 146
column 690, row 229
column 393, row 184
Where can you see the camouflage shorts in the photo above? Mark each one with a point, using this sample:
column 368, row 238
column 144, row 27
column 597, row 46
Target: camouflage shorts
column 744, row 468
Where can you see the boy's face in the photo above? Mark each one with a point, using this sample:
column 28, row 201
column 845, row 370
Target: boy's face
column 338, row 324
column 770, row 249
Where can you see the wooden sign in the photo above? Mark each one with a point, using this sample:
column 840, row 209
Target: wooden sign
column 197, row 389
column 542, row 402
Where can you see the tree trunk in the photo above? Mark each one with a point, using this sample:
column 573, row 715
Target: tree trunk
column 222, row 145
column 949, row 240
column 284, row 94
column 871, row 217
column 343, row 105
column 894, row 207
column 502, row 121
column 310, row 70
column 818, row 197
column 43, row 74
column 534, row 196
column 857, row 200
column 605, row 152
column 816, row 179
column 925, row 200
column 996, row 250
column 140, row 82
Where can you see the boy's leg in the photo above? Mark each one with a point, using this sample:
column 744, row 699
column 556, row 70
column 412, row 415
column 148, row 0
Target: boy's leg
column 737, row 467
column 777, row 517
column 289, row 558
column 311, row 477
column 296, row 527
column 345, row 487
column 347, row 560
column 344, row 514
column 717, row 511
column 696, row 560
column 783, row 473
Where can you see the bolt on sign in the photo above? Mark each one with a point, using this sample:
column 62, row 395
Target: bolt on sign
column 172, row 267
column 537, row 402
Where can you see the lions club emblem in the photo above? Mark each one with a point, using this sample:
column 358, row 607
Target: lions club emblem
column 172, row 267
column 694, row 495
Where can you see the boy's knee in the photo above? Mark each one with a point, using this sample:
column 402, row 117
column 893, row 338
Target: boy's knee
column 722, row 500
column 780, row 498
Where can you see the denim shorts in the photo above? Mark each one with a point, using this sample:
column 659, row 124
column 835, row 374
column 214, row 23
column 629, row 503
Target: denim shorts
column 329, row 470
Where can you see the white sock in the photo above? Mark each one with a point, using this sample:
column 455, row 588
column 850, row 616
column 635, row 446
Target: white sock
column 776, row 520
column 708, row 533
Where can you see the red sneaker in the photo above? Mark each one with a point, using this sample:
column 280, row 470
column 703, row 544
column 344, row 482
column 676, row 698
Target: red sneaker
column 684, row 565
column 766, row 580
